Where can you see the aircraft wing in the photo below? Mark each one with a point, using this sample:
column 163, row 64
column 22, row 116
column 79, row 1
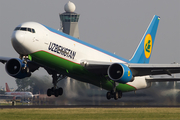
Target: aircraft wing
column 96, row 66
column 4, row 59
column 136, row 69
column 162, row 79
column 154, row 69
column 32, row 65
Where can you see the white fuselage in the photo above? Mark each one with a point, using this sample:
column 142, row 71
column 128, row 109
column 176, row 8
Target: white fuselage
column 32, row 42
column 20, row 94
column 50, row 41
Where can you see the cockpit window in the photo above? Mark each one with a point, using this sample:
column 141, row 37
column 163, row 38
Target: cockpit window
column 33, row 31
column 29, row 29
column 25, row 29
column 17, row 28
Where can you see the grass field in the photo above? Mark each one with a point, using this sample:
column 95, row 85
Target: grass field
column 90, row 114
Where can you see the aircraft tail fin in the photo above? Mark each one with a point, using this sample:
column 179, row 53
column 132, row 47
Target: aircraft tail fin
column 7, row 88
column 144, row 50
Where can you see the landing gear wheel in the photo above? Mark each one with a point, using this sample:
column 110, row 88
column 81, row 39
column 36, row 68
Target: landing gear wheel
column 56, row 92
column 116, row 95
column 119, row 94
column 49, row 91
column 60, row 91
column 108, row 95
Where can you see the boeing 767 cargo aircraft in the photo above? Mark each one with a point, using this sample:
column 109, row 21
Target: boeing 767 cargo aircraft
column 63, row 56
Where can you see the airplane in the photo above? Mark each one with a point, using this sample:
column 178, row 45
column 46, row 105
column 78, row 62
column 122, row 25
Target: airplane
column 18, row 94
column 64, row 56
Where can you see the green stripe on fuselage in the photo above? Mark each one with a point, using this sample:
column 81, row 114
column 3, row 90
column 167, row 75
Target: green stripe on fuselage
column 75, row 71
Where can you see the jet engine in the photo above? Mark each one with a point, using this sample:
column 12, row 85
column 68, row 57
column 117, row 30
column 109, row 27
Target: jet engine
column 120, row 73
column 16, row 68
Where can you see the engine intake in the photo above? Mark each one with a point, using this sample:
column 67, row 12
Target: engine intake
column 15, row 68
column 119, row 72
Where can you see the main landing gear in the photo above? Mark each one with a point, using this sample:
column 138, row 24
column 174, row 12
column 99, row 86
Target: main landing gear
column 55, row 90
column 113, row 93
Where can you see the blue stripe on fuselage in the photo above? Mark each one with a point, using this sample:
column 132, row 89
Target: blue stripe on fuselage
column 87, row 44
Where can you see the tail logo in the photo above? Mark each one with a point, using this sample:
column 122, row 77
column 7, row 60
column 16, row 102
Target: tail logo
column 147, row 45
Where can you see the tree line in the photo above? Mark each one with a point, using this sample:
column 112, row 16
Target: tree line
column 34, row 84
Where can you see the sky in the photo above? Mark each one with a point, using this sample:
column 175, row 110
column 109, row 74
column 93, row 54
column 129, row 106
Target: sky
column 114, row 25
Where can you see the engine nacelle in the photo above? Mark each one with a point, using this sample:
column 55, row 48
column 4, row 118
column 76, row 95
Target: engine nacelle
column 15, row 68
column 120, row 73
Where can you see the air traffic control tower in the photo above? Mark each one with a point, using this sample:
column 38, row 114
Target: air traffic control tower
column 69, row 20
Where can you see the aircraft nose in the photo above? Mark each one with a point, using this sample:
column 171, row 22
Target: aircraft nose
column 17, row 37
column 17, row 40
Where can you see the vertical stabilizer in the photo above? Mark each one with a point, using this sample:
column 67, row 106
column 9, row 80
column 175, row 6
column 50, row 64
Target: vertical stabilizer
column 7, row 88
column 144, row 50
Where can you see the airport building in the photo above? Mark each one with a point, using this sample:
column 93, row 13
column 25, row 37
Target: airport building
column 69, row 20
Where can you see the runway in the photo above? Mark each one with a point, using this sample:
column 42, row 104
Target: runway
column 87, row 106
